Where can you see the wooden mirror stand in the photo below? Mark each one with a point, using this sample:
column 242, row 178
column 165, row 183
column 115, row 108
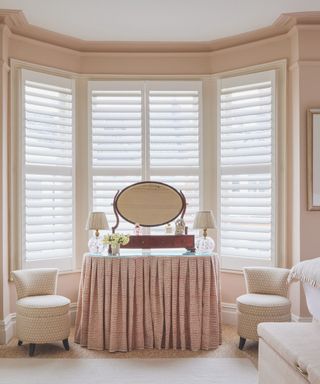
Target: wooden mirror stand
column 152, row 204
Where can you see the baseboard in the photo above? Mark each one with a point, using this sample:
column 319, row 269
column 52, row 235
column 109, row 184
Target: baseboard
column 8, row 325
column 7, row 328
column 229, row 313
column 301, row 319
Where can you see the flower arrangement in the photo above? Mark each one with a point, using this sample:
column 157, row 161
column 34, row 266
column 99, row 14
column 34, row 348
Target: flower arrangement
column 116, row 239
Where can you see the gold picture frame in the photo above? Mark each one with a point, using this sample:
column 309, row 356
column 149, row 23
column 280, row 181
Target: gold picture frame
column 313, row 158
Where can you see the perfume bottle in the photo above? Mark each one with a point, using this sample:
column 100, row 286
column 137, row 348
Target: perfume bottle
column 137, row 229
column 168, row 229
column 180, row 227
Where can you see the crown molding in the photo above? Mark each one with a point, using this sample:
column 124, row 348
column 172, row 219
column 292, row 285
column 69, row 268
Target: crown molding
column 19, row 25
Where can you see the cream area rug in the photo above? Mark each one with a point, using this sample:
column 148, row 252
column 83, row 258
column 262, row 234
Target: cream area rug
column 128, row 371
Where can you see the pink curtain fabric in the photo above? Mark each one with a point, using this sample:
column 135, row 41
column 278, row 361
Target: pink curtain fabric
column 149, row 302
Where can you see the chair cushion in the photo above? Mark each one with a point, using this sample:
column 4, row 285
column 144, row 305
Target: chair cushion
column 43, row 306
column 263, row 305
column 297, row 343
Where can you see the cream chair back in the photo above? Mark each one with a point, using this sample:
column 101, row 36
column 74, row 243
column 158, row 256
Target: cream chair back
column 266, row 280
column 35, row 282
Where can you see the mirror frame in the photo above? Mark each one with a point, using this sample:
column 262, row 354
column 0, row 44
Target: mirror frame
column 119, row 193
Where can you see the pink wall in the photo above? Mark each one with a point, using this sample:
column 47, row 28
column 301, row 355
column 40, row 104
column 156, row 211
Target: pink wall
column 304, row 85
column 297, row 46
column 4, row 87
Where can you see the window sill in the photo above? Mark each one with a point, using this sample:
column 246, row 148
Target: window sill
column 231, row 271
column 70, row 272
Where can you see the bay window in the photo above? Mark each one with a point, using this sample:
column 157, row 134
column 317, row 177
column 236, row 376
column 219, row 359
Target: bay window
column 138, row 130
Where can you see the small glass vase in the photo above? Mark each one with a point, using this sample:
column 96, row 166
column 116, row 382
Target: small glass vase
column 205, row 245
column 115, row 250
column 95, row 244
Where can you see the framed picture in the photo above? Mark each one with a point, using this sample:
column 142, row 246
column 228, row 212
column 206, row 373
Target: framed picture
column 313, row 153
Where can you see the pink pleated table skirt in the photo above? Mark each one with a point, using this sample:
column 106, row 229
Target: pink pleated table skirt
column 128, row 303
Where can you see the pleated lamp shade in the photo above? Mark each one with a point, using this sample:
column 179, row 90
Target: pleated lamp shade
column 204, row 220
column 97, row 220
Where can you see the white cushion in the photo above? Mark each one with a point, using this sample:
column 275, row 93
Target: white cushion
column 263, row 305
column 307, row 271
column 43, row 306
column 296, row 343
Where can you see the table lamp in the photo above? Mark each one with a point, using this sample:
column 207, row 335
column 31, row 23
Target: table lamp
column 96, row 221
column 204, row 220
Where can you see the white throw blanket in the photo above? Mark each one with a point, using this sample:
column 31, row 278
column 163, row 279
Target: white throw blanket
column 307, row 271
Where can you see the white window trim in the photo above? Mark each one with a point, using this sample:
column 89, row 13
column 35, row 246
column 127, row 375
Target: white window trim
column 279, row 105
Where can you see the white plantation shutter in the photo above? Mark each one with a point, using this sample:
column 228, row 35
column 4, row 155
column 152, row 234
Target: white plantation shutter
column 144, row 131
column 247, row 197
column 47, row 130
column 116, row 134
column 174, row 130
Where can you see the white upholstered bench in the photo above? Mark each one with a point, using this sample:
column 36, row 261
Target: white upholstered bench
column 289, row 353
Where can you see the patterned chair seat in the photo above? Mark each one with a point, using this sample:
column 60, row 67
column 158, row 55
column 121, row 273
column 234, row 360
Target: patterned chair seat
column 43, row 306
column 263, row 305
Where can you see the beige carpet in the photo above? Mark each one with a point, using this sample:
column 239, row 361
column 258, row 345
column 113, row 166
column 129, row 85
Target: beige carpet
column 229, row 348
column 125, row 371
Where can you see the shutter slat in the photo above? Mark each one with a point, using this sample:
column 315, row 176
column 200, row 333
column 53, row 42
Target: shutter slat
column 43, row 220
column 238, row 113
column 245, row 103
column 243, row 227
column 246, row 220
column 239, row 144
column 52, row 245
column 246, row 252
column 35, row 238
column 242, row 129
column 47, row 104
column 246, row 236
column 246, row 160
column 253, row 202
column 248, row 244
column 34, row 134
column 31, row 229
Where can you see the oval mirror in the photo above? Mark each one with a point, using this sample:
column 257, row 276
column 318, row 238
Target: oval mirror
column 149, row 203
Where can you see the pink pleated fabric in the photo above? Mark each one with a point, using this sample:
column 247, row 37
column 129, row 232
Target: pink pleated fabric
column 149, row 302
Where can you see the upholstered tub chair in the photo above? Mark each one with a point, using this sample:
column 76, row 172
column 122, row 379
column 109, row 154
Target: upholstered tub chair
column 41, row 315
column 266, row 301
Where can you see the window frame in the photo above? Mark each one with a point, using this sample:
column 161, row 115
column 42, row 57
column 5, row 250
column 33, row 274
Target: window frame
column 278, row 258
column 19, row 74
column 145, row 86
